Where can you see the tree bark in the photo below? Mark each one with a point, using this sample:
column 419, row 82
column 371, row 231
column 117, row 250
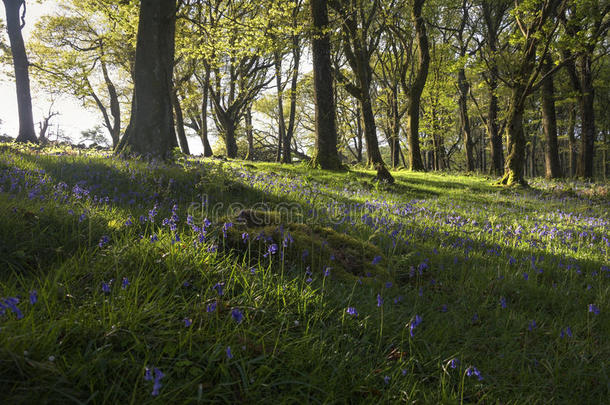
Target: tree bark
column 280, row 106
column 115, row 106
column 549, row 122
column 14, row 24
column 513, row 171
column 203, row 134
column 249, row 134
column 152, row 121
column 326, row 154
column 572, row 140
column 463, row 87
column 296, row 52
column 417, row 88
column 184, row 146
column 587, row 118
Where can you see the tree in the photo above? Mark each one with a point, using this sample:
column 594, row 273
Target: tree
column 535, row 25
column 326, row 154
column 549, row 122
column 14, row 24
column 151, row 128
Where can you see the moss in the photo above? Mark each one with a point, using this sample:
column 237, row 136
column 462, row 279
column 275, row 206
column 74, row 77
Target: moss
column 312, row 245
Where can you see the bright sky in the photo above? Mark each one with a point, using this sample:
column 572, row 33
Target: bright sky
column 73, row 117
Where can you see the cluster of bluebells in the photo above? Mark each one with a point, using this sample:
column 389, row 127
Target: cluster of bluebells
column 155, row 376
column 414, row 324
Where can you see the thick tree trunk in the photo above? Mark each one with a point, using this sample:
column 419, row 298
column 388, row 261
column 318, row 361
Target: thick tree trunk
column 513, row 172
column 549, row 122
column 395, row 140
column 495, row 137
column 463, row 87
column 14, row 24
column 587, row 120
column 228, row 127
column 418, row 85
column 152, row 122
column 326, row 154
column 184, row 146
column 359, row 134
column 280, row 106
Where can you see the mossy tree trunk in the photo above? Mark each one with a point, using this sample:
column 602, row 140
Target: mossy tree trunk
column 515, row 161
column 14, row 24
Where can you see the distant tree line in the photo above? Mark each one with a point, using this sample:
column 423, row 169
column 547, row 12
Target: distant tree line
column 514, row 88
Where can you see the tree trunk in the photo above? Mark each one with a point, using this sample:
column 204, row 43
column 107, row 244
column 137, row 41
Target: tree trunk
column 549, row 122
column 205, row 86
column 152, row 121
column 418, row 86
column 513, row 172
column 20, row 64
column 296, row 52
column 395, row 140
column 326, row 154
column 465, row 121
column 115, row 106
column 249, row 134
column 572, row 140
column 359, row 134
column 184, row 146
column 587, row 120
column 280, row 106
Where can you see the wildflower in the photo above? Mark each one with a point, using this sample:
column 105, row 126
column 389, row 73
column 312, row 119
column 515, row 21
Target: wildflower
column 226, row 227
column 532, row 325
column 229, row 354
column 327, row 271
column 376, row 260
column 525, row 276
column 128, row 222
column 245, row 237
column 211, row 307
column 566, row 332
column 218, row 287
column 124, row 283
column 103, row 241
column 386, row 379
column 33, row 297
column 379, row 300
column 272, row 249
column 152, row 213
column 472, row 370
column 503, row 302
column 414, row 324
column 388, row 284
column 512, row 260
column 157, row 382
column 147, row 374
column 237, row 315
column 454, row 363
column 154, row 238
column 10, row 303
column 351, row 311
column 475, row 317
column 188, row 322
column 404, row 372
column 594, row 309
column 105, row 288
column 444, row 308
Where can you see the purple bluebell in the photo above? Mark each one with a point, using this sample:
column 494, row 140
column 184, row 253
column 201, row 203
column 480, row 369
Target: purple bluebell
column 157, row 382
column 594, row 309
column 503, row 302
column 237, row 315
column 229, row 354
column 33, row 297
column 379, row 300
column 105, row 287
column 532, row 325
column 219, row 288
column 327, row 271
column 124, row 283
column 188, row 322
column 376, row 260
column 351, row 311
column 454, row 363
column 414, row 324
column 211, row 307
column 473, row 371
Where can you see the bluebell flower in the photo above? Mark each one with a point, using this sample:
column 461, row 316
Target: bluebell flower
column 327, row 271
column 11, row 303
column 566, row 332
column 532, row 325
column 237, row 315
column 211, row 307
column 525, row 276
column 351, row 311
column 103, row 241
column 105, row 287
column 219, row 288
column 154, row 238
column 386, row 379
column 147, row 374
column 229, row 354
column 124, row 283
column 157, row 382
column 379, row 300
column 33, row 297
column 245, row 236
column 376, row 259
column 594, row 309
column 454, row 363
column 473, row 371
column 503, row 302
column 414, row 324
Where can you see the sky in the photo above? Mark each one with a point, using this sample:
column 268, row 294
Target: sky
column 73, row 117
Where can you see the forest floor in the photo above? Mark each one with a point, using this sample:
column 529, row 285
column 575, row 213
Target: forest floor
column 235, row 282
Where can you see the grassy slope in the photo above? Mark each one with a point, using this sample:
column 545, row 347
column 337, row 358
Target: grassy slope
column 478, row 264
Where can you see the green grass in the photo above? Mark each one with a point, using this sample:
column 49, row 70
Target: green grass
column 451, row 249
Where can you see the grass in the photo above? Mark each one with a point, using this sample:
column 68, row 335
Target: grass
column 464, row 292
